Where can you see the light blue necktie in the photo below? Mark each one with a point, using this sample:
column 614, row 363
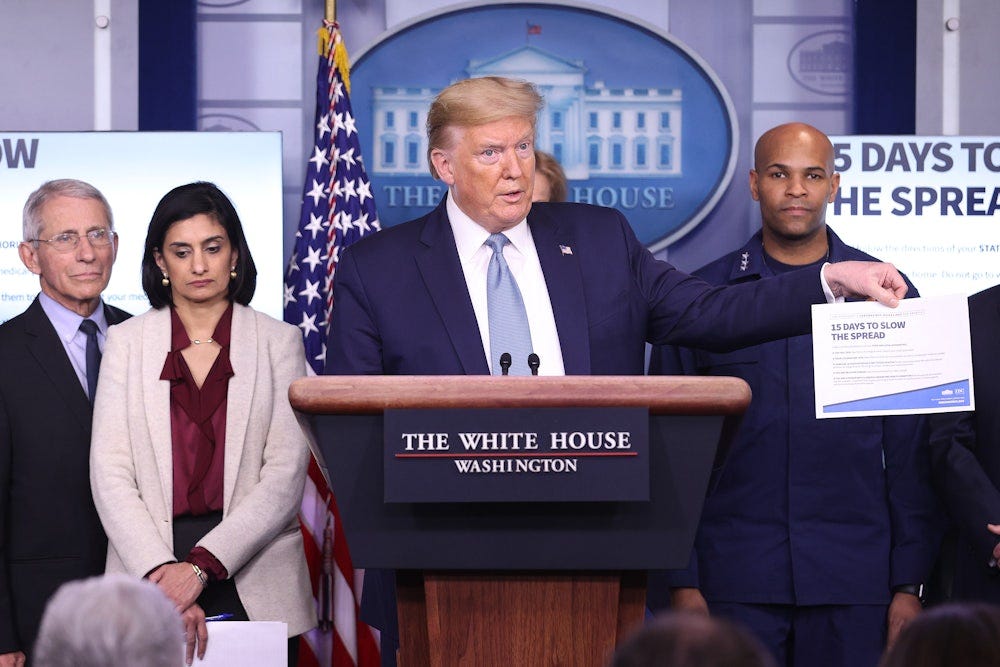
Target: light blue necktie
column 509, row 330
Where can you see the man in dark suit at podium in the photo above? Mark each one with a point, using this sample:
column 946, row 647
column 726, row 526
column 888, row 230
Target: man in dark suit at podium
column 415, row 298
column 487, row 274
column 816, row 533
column 49, row 529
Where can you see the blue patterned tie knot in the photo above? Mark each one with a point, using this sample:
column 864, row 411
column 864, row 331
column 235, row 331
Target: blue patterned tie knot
column 509, row 331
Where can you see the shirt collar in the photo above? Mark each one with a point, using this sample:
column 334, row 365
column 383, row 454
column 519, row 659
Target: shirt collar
column 66, row 322
column 470, row 235
column 749, row 261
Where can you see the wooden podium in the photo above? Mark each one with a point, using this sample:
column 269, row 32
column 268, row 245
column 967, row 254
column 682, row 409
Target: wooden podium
column 520, row 583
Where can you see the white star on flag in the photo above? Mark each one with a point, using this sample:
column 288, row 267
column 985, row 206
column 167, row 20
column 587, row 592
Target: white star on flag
column 316, row 193
column 319, row 158
column 311, row 291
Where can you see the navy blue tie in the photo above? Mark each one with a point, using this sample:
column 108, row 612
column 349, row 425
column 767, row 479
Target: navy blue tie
column 508, row 319
column 89, row 329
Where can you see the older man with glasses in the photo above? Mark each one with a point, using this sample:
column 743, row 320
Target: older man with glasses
column 49, row 359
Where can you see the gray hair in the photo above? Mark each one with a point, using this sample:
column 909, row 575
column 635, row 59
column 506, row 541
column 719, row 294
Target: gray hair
column 112, row 620
column 63, row 187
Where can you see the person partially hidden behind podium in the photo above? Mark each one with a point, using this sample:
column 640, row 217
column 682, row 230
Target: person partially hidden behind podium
column 487, row 272
column 49, row 530
column 198, row 462
column 550, row 179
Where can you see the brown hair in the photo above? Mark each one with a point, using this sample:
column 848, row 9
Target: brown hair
column 952, row 634
column 478, row 101
column 549, row 167
column 687, row 639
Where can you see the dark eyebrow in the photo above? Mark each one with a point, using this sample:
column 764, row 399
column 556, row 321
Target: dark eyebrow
column 785, row 167
column 211, row 239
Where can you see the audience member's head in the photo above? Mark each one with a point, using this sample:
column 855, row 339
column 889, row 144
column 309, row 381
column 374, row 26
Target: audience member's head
column 110, row 620
column 550, row 179
column 952, row 635
column 685, row 639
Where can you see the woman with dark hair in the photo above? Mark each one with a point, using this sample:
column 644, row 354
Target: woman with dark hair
column 197, row 460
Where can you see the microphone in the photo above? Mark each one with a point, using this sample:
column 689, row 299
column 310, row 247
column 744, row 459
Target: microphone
column 533, row 363
column 505, row 363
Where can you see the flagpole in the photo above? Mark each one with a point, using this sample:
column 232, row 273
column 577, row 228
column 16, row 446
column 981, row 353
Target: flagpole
column 331, row 10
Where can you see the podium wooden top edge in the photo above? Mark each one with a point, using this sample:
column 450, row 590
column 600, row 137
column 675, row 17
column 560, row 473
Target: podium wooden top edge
column 372, row 394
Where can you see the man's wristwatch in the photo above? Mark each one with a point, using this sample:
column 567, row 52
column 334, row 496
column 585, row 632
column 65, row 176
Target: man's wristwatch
column 912, row 589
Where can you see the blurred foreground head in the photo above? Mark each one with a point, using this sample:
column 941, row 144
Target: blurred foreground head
column 949, row 636
column 684, row 639
column 111, row 620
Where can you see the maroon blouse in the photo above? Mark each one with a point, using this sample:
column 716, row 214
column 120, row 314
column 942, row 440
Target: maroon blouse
column 198, row 430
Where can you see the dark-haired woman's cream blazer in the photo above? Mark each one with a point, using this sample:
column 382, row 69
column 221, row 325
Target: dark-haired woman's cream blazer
column 131, row 469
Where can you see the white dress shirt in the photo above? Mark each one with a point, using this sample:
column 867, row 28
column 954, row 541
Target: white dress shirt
column 522, row 258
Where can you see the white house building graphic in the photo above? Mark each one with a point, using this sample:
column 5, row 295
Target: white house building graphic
column 593, row 130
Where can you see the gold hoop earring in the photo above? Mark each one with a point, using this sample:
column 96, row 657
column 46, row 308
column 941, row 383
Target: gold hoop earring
column 166, row 281
column 232, row 273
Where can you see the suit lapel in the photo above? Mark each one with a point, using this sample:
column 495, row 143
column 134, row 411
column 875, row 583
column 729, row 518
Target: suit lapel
column 48, row 351
column 243, row 356
column 155, row 346
column 564, row 281
column 115, row 315
column 439, row 265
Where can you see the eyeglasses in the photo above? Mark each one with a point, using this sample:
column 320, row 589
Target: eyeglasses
column 68, row 241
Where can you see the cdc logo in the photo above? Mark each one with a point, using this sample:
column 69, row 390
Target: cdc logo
column 637, row 120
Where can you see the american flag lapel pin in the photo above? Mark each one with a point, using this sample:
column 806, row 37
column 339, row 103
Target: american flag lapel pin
column 566, row 250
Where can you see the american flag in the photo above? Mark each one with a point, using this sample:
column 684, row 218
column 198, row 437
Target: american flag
column 337, row 210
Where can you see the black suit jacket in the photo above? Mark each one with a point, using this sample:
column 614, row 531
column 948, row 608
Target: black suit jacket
column 49, row 529
column 965, row 447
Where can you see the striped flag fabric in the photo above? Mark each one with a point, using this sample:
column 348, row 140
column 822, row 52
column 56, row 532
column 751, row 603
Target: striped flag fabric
column 337, row 210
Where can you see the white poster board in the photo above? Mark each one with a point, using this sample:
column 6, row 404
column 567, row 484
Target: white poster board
column 872, row 360
column 929, row 205
column 246, row 644
column 134, row 170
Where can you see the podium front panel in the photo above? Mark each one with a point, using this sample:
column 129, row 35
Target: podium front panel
column 657, row 534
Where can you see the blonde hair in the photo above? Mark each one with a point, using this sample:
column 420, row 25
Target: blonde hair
column 478, row 101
